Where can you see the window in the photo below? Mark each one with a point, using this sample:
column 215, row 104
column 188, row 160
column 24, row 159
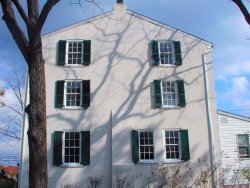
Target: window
column 146, row 145
column 142, row 146
column 172, row 144
column 71, row 148
column 166, row 53
column 74, row 52
column 72, row 94
column 169, row 93
column 243, row 145
column 176, row 145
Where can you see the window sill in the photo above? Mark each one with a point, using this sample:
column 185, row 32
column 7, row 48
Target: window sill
column 71, row 166
column 72, row 108
column 172, row 161
column 244, row 159
column 147, row 162
column 74, row 65
column 170, row 107
column 167, row 65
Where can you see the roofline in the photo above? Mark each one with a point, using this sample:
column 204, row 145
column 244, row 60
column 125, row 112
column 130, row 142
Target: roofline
column 164, row 25
column 229, row 114
column 88, row 20
column 133, row 13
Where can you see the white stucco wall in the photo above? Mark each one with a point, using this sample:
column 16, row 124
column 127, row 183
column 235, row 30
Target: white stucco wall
column 121, row 77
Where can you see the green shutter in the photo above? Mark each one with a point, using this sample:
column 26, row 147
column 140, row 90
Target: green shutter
column 181, row 93
column 61, row 52
column 57, row 149
column 85, row 148
column 86, row 52
column 135, row 146
column 85, row 93
column 177, row 50
column 184, row 145
column 155, row 53
column 157, row 94
column 59, row 93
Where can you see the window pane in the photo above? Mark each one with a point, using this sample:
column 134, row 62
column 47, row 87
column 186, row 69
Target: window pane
column 75, row 52
column 172, row 144
column 73, row 93
column 243, row 140
column 72, row 147
column 146, row 145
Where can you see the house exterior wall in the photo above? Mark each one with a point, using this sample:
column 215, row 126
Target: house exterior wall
column 121, row 77
column 230, row 126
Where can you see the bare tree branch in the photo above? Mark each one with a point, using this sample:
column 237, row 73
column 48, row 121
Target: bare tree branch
column 21, row 11
column 17, row 33
column 44, row 14
column 33, row 11
column 243, row 9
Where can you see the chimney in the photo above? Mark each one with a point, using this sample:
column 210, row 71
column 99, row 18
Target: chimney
column 120, row 10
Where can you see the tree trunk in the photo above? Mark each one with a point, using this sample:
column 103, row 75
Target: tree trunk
column 37, row 135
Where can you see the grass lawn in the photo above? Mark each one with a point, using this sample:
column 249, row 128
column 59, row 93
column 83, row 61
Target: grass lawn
column 4, row 183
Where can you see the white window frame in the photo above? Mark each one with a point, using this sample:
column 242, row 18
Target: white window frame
column 154, row 149
column 238, row 146
column 166, row 160
column 172, row 53
column 65, row 95
column 80, row 148
column 175, row 93
column 67, row 52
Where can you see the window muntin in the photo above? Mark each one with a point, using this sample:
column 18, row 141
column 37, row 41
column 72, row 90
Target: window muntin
column 172, row 144
column 146, row 145
column 73, row 93
column 72, row 147
column 74, row 52
column 169, row 94
column 243, row 146
column 166, row 52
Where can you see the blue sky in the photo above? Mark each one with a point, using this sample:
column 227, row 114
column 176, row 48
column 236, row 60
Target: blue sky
column 219, row 22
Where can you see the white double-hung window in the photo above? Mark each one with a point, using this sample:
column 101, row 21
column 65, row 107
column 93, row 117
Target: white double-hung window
column 169, row 92
column 146, row 145
column 72, row 147
column 74, row 52
column 73, row 93
column 166, row 53
column 172, row 144
column 243, row 145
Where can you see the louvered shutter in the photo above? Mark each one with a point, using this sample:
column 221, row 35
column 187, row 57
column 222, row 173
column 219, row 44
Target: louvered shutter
column 135, row 146
column 57, row 148
column 59, row 93
column 185, row 154
column 86, row 53
column 61, row 52
column 85, row 148
column 177, row 50
column 85, row 93
column 155, row 53
column 181, row 93
column 157, row 94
